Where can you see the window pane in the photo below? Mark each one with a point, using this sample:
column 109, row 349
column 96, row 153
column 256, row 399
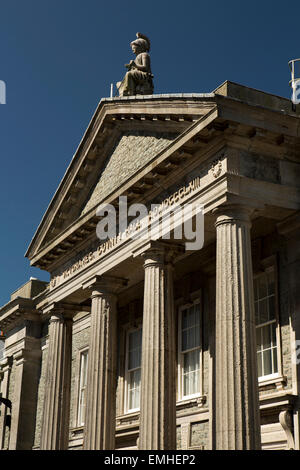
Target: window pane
column 135, row 349
column 191, row 369
column 262, row 289
column 185, row 319
column 192, row 361
column 134, row 389
column 134, row 376
column 258, row 339
column 274, row 351
column 273, row 332
column 84, row 365
column 271, row 283
column 266, row 331
column 266, row 349
column 267, row 362
column 272, row 313
column 263, row 311
column 190, row 341
column 191, row 383
column 190, row 336
column 134, row 359
column 82, row 388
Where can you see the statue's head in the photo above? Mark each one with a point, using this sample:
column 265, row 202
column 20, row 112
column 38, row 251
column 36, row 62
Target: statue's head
column 141, row 44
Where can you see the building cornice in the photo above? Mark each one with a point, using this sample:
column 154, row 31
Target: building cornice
column 16, row 311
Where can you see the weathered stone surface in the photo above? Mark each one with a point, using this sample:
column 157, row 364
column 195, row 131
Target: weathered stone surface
column 240, row 151
column 25, row 398
column 138, row 79
column 30, row 289
column 40, row 400
column 237, row 415
column 158, row 400
column 6, row 365
column 199, row 435
column 260, row 167
column 55, row 428
column 131, row 153
column 100, row 420
column 178, row 437
column 11, row 395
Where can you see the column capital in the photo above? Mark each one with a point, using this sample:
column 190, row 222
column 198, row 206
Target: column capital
column 158, row 252
column 60, row 311
column 233, row 213
column 103, row 285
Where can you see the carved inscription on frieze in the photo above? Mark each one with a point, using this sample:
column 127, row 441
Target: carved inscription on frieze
column 177, row 197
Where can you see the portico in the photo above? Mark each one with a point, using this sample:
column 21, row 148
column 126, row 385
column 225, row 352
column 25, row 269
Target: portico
column 170, row 333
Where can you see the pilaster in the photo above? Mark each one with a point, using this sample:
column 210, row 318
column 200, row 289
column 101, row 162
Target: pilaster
column 27, row 363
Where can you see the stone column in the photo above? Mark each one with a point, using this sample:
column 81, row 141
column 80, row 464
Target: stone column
column 6, row 369
column 158, row 390
column 27, row 363
column 237, row 406
column 55, row 428
column 100, row 419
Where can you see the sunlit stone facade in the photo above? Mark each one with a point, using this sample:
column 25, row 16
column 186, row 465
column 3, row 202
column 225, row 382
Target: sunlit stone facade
column 143, row 344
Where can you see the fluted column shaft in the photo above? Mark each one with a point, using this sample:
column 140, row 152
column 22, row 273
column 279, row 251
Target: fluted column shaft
column 55, row 428
column 158, row 391
column 100, row 420
column 237, row 405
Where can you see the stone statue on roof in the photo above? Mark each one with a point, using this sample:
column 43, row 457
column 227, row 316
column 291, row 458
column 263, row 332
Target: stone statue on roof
column 138, row 79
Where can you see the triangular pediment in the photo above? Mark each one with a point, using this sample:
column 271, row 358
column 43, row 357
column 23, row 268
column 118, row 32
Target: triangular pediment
column 132, row 151
column 121, row 139
column 134, row 144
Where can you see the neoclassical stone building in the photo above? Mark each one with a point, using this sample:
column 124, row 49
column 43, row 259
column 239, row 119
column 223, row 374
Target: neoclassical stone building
column 140, row 343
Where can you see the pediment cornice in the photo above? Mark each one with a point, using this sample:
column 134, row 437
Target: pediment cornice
column 112, row 117
column 198, row 121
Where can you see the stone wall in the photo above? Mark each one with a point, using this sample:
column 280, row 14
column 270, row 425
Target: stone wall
column 178, row 437
column 199, row 435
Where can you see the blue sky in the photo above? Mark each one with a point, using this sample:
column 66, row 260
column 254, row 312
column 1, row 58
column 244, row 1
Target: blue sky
column 58, row 58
